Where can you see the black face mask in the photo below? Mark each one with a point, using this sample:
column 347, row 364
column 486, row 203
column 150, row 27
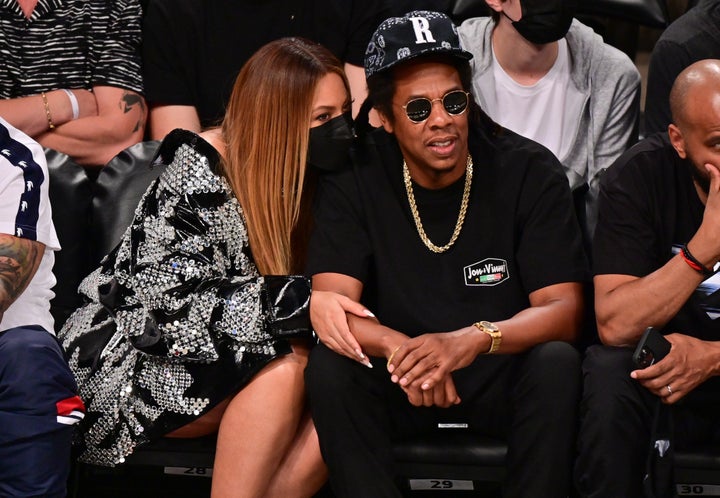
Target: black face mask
column 544, row 21
column 330, row 143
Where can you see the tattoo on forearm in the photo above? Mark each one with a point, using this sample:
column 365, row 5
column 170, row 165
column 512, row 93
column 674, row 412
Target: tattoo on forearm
column 131, row 100
column 17, row 267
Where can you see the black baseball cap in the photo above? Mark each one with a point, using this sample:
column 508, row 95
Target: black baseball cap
column 417, row 33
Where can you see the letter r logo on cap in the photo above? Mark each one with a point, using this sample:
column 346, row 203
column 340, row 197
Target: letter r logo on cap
column 422, row 30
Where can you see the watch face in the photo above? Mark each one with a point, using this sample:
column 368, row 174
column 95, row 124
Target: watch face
column 489, row 326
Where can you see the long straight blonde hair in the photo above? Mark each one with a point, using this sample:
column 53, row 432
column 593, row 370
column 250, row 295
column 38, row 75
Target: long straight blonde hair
column 266, row 130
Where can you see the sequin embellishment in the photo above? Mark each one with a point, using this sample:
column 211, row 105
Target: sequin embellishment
column 184, row 295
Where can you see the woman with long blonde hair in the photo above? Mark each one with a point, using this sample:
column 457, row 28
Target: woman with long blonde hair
column 198, row 321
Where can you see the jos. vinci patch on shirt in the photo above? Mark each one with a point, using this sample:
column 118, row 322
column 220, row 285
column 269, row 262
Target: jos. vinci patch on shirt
column 490, row 271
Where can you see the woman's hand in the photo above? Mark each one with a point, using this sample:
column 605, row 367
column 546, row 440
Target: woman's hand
column 327, row 313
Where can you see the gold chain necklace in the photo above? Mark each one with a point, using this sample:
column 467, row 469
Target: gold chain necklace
column 461, row 215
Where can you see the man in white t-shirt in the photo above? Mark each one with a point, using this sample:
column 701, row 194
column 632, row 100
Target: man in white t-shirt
column 544, row 75
column 38, row 400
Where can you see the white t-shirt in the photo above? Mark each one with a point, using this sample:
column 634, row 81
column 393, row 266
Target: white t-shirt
column 25, row 213
column 537, row 111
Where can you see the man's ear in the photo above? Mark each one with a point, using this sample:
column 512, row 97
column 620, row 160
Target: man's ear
column 677, row 140
column 385, row 121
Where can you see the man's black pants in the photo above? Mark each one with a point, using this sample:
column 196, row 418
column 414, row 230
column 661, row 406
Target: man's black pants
column 616, row 414
column 529, row 399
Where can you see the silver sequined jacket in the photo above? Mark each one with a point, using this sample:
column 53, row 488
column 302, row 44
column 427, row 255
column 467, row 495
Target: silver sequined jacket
column 176, row 318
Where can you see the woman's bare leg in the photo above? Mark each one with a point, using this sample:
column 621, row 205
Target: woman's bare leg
column 303, row 472
column 258, row 428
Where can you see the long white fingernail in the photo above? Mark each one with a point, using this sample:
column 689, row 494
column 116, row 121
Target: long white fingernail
column 360, row 354
column 369, row 313
column 368, row 364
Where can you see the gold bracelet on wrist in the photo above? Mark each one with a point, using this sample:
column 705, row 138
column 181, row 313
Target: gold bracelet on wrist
column 51, row 125
column 392, row 355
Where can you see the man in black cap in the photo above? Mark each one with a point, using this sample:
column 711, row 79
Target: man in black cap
column 461, row 237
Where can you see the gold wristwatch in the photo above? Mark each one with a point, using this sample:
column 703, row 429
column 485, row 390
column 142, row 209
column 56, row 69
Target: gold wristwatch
column 494, row 332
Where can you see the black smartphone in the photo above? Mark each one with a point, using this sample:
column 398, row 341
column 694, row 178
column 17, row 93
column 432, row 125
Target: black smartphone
column 652, row 348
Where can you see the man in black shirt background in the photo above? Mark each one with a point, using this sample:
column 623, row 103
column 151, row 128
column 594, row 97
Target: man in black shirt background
column 656, row 246
column 461, row 237
column 194, row 49
column 691, row 37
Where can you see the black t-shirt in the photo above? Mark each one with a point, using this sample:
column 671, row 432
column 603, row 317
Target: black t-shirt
column 648, row 207
column 194, row 49
column 520, row 234
column 692, row 37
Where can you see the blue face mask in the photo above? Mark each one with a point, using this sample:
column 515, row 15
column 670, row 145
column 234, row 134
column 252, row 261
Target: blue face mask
column 330, row 143
column 544, row 21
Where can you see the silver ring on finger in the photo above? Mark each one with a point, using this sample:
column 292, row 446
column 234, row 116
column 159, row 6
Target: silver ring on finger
column 669, row 389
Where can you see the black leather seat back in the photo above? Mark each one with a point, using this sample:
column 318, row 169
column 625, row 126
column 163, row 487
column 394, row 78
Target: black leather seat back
column 71, row 199
column 118, row 189
column 466, row 9
column 652, row 13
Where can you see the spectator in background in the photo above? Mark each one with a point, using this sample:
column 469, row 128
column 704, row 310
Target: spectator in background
column 38, row 396
column 656, row 250
column 546, row 76
column 71, row 75
column 193, row 49
column 692, row 37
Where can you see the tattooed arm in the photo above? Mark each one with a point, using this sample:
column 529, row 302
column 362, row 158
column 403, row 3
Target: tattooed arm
column 94, row 140
column 19, row 260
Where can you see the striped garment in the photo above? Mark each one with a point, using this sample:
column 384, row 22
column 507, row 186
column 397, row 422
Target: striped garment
column 70, row 411
column 70, row 44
